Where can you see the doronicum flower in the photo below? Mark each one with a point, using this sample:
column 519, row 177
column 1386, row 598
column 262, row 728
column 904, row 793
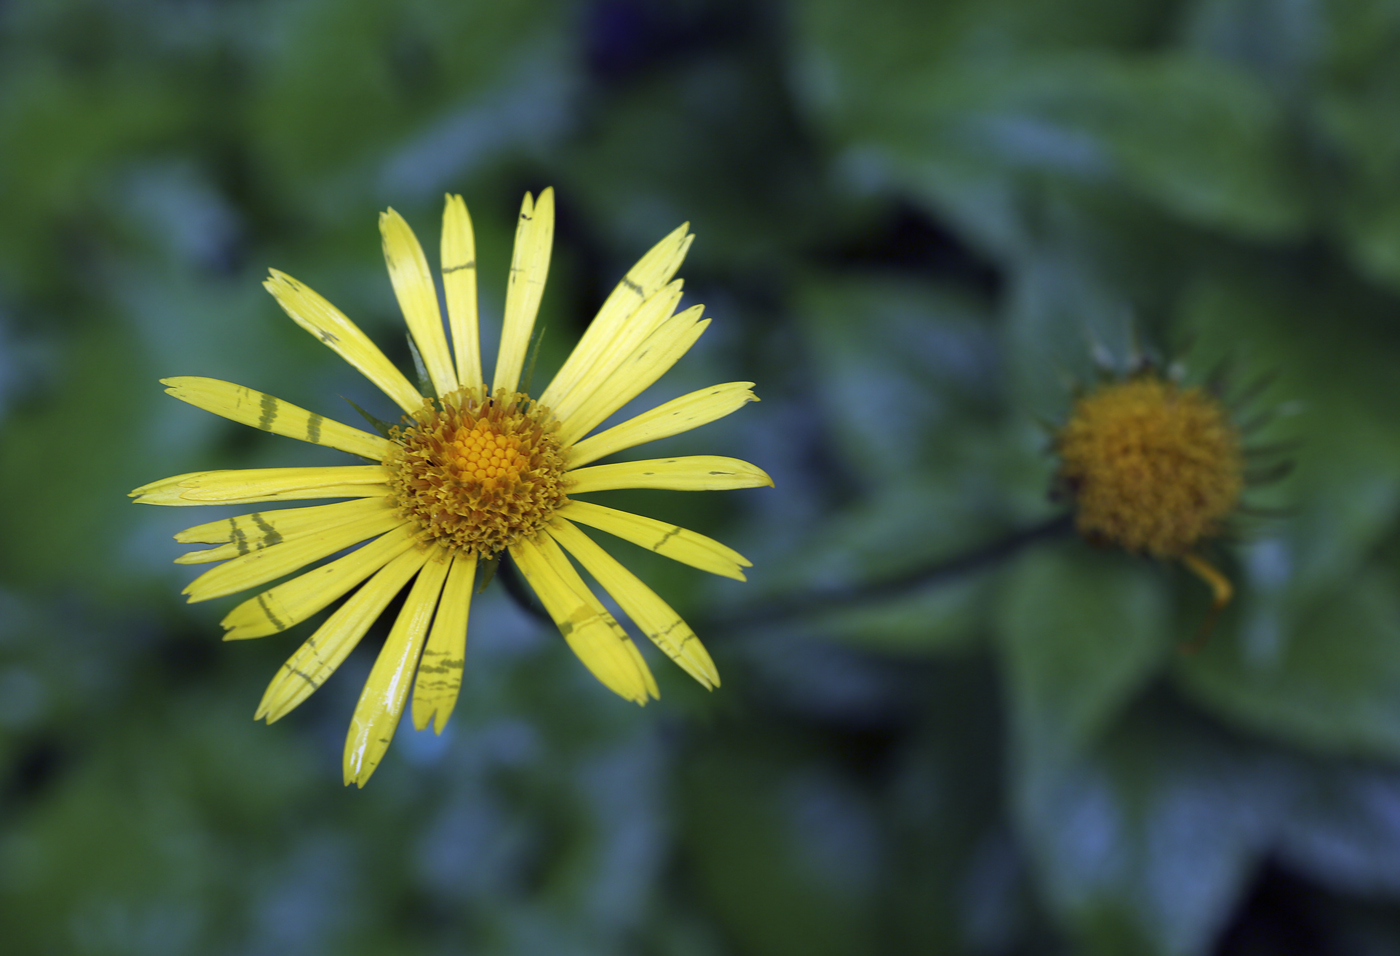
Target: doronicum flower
column 1152, row 467
column 1156, row 468
column 473, row 470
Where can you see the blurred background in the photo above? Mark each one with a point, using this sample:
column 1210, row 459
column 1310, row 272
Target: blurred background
column 947, row 725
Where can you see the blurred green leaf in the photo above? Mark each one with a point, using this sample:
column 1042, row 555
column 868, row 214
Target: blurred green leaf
column 894, row 349
column 1062, row 316
column 1280, row 42
column 146, row 845
column 1321, row 671
column 707, row 141
column 1079, row 632
column 1343, row 830
column 945, row 615
column 855, row 58
column 1198, row 137
column 64, row 137
column 780, row 850
column 1366, row 212
column 1144, row 845
column 344, row 80
column 1328, row 342
column 955, row 881
column 1358, row 92
column 69, row 460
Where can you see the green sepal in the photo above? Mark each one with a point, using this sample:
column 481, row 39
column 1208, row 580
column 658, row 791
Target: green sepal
column 529, row 375
column 486, row 570
column 420, row 369
column 379, row 425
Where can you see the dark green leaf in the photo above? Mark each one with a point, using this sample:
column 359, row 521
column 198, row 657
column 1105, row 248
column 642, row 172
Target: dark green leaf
column 1145, row 844
column 1342, row 829
column 1322, row 671
column 781, row 851
column 1079, row 631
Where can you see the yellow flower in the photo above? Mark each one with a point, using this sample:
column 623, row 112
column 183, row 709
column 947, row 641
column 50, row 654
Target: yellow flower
column 1154, row 468
column 474, row 470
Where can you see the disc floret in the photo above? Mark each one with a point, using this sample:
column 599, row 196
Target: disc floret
column 1152, row 467
column 477, row 473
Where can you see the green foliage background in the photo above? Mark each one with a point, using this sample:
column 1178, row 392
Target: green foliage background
column 939, row 731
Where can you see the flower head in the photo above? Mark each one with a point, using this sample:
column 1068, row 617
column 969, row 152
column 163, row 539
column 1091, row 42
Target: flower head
column 1152, row 467
column 473, row 470
column 1157, row 468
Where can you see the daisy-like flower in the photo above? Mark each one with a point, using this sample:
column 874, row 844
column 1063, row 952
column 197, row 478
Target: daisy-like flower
column 473, row 470
column 1158, row 468
column 1153, row 467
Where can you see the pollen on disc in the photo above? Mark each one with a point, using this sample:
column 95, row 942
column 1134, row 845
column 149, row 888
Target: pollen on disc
column 1152, row 467
column 477, row 472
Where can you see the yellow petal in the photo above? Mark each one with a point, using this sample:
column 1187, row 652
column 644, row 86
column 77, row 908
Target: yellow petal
column 649, row 316
column 655, row 617
column 292, row 602
column 676, row 543
column 251, row 407
column 268, row 564
column 324, row 651
column 653, row 359
column 256, row 485
column 439, row 678
column 263, row 529
column 329, row 324
column 250, row 527
column 417, row 295
column 529, row 267
column 459, row 284
column 597, row 639
column 560, row 565
column 167, row 491
column 676, row 416
column 381, row 702
column 692, row 473
column 642, row 281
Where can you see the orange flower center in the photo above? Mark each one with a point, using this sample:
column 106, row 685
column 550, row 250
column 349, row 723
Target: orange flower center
column 1152, row 467
column 478, row 473
column 484, row 455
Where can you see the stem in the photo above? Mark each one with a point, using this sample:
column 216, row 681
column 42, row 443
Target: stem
column 813, row 602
